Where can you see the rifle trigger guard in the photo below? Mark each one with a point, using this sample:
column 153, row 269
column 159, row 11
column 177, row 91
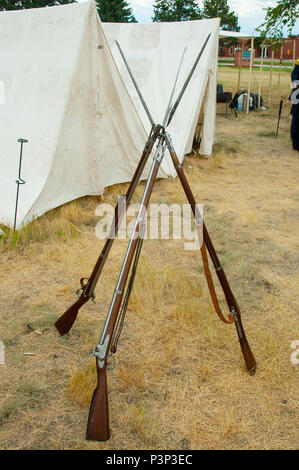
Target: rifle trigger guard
column 80, row 291
column 83, row 285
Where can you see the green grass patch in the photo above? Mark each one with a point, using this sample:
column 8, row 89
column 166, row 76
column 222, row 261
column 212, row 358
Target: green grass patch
column 256, row 62
column 266, row 134
column 27, row 395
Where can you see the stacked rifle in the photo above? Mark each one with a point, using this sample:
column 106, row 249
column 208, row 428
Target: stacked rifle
column 98, row 420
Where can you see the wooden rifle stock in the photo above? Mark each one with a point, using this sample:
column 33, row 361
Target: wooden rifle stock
column 98, row 419
column 66, row 321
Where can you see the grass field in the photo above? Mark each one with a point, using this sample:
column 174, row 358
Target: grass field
column 178, row 380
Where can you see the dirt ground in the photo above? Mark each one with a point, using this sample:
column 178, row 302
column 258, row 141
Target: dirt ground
column 178, row 380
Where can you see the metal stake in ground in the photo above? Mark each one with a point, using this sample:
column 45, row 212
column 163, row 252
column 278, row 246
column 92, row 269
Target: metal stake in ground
column 279, row 114
column 19, row 181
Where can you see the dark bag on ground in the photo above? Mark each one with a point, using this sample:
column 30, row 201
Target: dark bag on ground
column 224, row 97
column 255, row 101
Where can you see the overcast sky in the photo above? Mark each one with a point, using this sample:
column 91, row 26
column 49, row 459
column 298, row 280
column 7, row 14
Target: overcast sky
column 250, row 12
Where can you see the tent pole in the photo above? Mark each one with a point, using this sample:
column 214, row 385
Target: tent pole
column 240, row 66
column 280, row 64
column 270, row 79
column 261, row 75
column 249, row 80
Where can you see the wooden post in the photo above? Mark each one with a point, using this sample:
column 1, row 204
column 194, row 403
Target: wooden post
column 249, row 79
column 294, row 51
column 240, row 66
column 270, row 79
column 261, row 75
column 280, row 64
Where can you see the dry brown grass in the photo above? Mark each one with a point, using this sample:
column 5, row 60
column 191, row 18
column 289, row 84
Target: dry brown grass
column 178, row 379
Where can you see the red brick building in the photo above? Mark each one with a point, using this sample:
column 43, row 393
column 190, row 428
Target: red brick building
column 287, row 50
column 289, row 47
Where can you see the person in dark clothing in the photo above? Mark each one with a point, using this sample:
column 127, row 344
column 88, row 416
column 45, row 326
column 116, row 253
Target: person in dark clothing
column 295, row 109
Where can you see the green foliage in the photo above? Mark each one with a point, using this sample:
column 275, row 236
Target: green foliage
column 220, row 9
column 115, row 11
column 25, row 4
column 283, row 15
column 176, row 10
column 37, row 231
column 274, row 42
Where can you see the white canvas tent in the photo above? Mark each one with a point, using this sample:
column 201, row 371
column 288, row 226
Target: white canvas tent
column 85, row 127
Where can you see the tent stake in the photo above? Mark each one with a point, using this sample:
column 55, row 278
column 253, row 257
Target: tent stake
column 19, row 181
column 279, row 114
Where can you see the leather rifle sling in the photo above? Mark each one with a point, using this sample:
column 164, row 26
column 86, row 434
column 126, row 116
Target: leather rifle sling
column 210, row 279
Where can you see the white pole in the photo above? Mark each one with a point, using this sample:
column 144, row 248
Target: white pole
column 240, row 66
column 280, row 64
column 249, row 80
column 261, row 75
column 270, row 79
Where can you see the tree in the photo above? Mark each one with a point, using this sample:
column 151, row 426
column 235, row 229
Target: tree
column 25, row 4
column 220, row 9
column 283, row 15
column 115, row 11
column 176, row 10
